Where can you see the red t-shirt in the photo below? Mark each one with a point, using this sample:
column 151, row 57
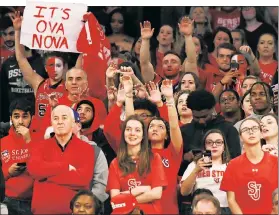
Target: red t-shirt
column 212, row 60
column 171, row 162
column 252, row 184
column 156, row 178
column 268, row 71
column 229, row 20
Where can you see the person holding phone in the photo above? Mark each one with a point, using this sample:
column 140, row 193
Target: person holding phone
column 208, row 167
column 15, row 151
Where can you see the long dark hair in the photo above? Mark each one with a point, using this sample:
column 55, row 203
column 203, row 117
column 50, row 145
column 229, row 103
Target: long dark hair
column 275, row 46
column 196, row 80
column 226, row 154
column 222, row 29
column 259, row 18
column 167, row 125
column 122, row 12
column 203, row 55
column 125, row 162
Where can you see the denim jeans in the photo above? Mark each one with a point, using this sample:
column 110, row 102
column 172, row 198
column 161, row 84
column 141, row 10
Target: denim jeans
column 18, row 207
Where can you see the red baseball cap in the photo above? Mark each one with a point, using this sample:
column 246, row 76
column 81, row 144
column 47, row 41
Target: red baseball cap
column 123, row 203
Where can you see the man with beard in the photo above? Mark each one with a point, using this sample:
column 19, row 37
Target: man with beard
column 15, row 152
column 7, row 46
column 202, row 105
column 261, row 98
column 12, row 83
column 230, row 106
column 87, row 114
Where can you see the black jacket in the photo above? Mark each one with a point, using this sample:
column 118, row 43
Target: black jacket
column 193, row 134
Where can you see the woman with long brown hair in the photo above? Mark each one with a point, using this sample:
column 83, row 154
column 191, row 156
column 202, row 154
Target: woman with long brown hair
column 136, row 169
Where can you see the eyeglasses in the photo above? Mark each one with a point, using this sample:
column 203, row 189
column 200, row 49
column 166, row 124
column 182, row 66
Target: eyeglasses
column 144, row 116
column 217, row 142
column 253, row 129
column 230, row 99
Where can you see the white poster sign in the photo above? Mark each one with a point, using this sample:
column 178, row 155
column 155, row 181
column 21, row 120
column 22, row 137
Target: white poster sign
column 52, row 26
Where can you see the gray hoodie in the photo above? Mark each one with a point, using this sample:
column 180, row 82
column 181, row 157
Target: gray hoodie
column 100, row 178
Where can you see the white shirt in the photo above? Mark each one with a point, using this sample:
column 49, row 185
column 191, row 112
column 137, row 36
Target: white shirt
column 210, row 179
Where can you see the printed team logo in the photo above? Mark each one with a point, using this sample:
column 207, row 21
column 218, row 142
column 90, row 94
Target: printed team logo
column 166, row 162
column 254, row 190
column 133, row 183
column 217, row 180
column 5, row 155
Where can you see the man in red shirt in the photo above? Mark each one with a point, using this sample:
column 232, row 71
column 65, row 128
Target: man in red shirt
column 15, row 151
column 61, row 166
column 7, row 48
column 249, row 188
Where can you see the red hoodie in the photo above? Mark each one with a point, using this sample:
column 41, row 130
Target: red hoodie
column 55, row 185
column 15, row 150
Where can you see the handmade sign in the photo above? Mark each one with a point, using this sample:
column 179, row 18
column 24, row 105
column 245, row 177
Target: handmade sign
column 52, row 26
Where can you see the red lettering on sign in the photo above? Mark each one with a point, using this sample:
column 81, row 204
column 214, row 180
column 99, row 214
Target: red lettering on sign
column 65, row 11
column 40, row 10
column 44, row 24
column 53, row 9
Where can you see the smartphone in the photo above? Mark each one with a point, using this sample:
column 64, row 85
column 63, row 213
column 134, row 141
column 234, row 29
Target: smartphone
column 207, row 158
column 234, row 63
column 196, row 151
column 21, row 164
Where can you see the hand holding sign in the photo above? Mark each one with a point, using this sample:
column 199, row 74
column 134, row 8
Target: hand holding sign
column 52, row 26
column 17, row 20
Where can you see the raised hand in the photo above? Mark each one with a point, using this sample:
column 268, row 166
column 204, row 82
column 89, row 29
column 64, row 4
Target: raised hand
column 111, row 70
column 121, row 94
column 246, row 49
column 186, row 26
column 17, row 20
column 126, row 70
column 127, row 83
column 154, row 92
column 140, row 91
column 112, row 93
column 146, row 31
column 166, row 89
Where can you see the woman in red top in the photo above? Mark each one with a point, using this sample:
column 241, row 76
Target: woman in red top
column 267, row 57
column 166, row 140
column 221, row 35
column 136, row 169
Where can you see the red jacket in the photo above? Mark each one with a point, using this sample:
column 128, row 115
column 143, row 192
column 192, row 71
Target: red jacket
column 55, row 185
column 15, row 150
